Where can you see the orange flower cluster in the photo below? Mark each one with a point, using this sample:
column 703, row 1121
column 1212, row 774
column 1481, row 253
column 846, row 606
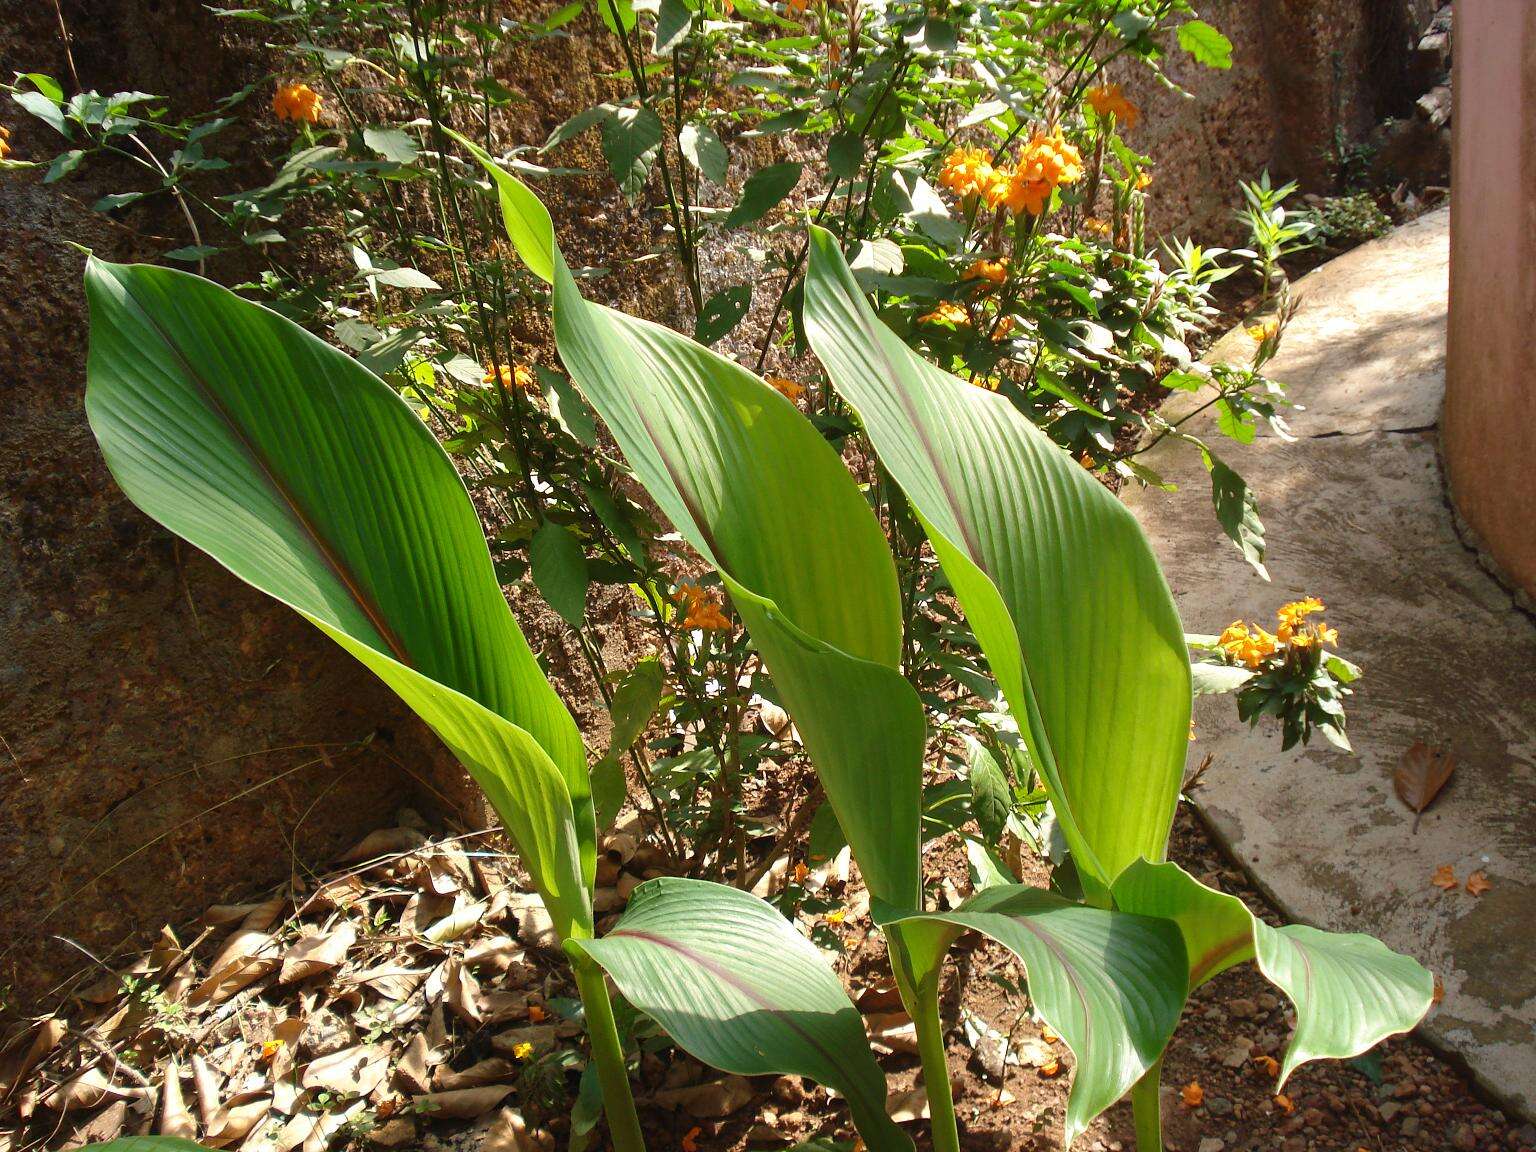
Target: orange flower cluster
column 968, row 172
column 5, row 141
column 1251, row 645
column 1247, row 646
column 1045, row 162
column 701, row 609
column 947, row 313
column 785, row 387
column 993, row 272
column 1109, row 100
column 1295, row 629
column 297, row 102
column 520, row 377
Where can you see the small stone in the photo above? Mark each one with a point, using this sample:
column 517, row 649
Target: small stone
column 1211, row 1144
column 1405, row 1090
column 1243, row 1008
column 1218, row 1106
column 1266, row 1001
column 1464, row 1139
column 1389, row 1111
column 1237, row 1056
column 1295, row 1144
column 1313, row 1117
column 1410, row 1127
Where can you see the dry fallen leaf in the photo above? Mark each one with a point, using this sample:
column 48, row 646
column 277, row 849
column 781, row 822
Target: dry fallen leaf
column 492, row 1070
column 1444, row 877
column 893, row 1031
column 176, row 1118
column 385, row 842
column 235, row 1121
column 1192, row 1095
column 351, row 1072
column 88, row 1089
column 44, row 1040
column 1420, row 775
column 463, row 1104
column 106, row 1125
column 905, row 1107
column 317, row 953
column 1478, row 883
column 508, row 1133
column 708, row 1101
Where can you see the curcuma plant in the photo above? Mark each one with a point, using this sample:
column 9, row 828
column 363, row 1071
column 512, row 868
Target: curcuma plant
column 307, row 477
column 1074, row 616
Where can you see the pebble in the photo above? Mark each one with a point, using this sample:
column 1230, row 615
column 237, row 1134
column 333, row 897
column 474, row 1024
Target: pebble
column 1211, row 1144
column 1410, row 1127
column 1218, row 1106
column 1389, row 1111
column 1464, row 1139
column 1243, row 1009
column 1266, row 1002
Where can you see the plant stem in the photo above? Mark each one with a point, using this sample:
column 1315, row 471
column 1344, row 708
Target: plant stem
column 608, row 1053
column 922, row 1002
column 1147, row 1108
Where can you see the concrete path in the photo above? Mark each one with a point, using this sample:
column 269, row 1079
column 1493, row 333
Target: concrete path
column 1356, row 515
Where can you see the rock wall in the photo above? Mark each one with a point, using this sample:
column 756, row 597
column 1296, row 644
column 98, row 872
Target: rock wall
column 1305, row 74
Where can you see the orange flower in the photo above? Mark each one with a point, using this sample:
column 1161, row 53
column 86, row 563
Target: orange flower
column 801, row 872
column 1445, row 878
column 5, row 141
column 1245, row 646
column 948, row 313
column 1192, row 1095
column 691, row 1139
column 297, row 102
column 701, row 609
column 1285, row 1103
column 1268, row 1065
column 1096, row 227
column 1263, row 330
column 797, row 6
column 520, row 377
column 1004, row 327
column 1050, row 1069
column 1109, row 100
column 1477, row 883
column 1045, row 163
column 785, row 387
column 988, row 271
column 837, row 917
column 968, row 172
column 1143, row 180
column 1291, row 615
column 536, row 1014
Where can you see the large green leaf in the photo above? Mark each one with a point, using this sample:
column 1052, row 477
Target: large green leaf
column 1056, row 578
column 308, row 478
column 1111, row 984
column 734, row 984
column 751, row 484
column 1350, row 991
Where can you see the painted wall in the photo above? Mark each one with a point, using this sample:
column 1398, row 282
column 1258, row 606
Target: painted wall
column 1489, row 424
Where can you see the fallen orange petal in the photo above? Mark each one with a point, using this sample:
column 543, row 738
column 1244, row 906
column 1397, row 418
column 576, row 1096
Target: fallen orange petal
column 1193, row 1095
column 691, row 1140
column 1444, row 877
column 1050, row 1070
column 1477, row 883
column 1283, row 1102
column 1269, row 1064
